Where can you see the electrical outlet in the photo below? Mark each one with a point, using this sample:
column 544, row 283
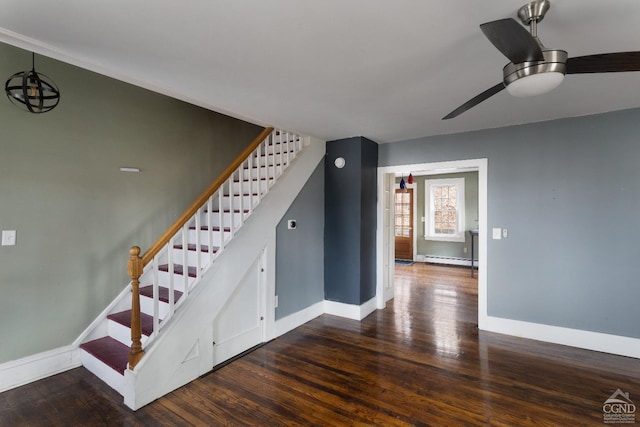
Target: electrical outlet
column 505, row 233
column 464, row 250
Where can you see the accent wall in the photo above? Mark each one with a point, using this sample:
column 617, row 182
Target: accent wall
column 75, row 213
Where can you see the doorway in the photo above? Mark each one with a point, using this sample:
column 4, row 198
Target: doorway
column 386, row 226
column 403, row 220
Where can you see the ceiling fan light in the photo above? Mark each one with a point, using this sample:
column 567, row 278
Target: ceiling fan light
column 535, row 84
column 536, row 77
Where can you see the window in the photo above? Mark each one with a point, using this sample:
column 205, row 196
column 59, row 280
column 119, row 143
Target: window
column 404, row 213
column 444, row 210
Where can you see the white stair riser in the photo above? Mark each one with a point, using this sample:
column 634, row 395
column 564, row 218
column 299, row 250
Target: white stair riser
column 122, row 333
column 250, row 187
column 272, row 159
column 280, row 147
column 261, row 173
column 192, row 257
column 246, row 202
column 146, row 306
column 215, row 219
column 178, row 280
column 103, row 371
column 204, row 237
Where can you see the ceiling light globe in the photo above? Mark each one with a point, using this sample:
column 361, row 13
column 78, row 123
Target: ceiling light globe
column 536, row 77
column 535, row 84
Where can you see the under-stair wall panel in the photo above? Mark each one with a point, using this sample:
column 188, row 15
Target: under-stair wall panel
column 240, row 323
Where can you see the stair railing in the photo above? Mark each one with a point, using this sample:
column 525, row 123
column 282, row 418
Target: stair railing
column 207, row 225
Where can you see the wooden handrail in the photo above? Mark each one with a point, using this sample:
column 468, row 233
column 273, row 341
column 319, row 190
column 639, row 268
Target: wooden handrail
column 191, row 210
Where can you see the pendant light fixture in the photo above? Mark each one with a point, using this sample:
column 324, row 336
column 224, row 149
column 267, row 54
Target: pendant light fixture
column 410, row 179
column 32, row 91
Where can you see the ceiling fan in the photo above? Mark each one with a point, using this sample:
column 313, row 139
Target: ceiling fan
column 535, row 69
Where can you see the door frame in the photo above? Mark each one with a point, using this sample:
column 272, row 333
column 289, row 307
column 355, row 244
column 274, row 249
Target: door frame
column 385, row 245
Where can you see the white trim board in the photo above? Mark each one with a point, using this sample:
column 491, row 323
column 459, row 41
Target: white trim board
column 464, row 262
column 350, row 311
column 299, row 318
column 597, row 341
column 38, row 366
column 419, row 169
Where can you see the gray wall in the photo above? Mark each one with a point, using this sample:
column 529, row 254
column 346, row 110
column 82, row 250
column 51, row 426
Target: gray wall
column 569, row 193
column 446, row 249
column 76, row 215
column 350, row 221
column 300, row 252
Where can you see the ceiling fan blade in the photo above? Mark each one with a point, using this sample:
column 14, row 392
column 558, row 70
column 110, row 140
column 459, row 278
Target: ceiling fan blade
column 604, row 63
column 513, row 40
column 475, row 101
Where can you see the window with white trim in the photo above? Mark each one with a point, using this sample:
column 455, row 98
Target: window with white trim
column 444, row 210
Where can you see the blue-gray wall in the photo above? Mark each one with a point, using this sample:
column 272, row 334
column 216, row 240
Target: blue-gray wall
column 350, row 221
column 300, row 252
column 569, row 193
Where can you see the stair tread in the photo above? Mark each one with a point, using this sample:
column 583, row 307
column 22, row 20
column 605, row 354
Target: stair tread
column 192, row 247
column 254, row 179
column 124, row 318
column 205, row 228
column 110, row 351
column 163, row 292
column 229, row 211
column 178, row 269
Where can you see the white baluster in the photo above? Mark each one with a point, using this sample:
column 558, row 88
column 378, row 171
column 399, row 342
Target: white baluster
column 156, row 295
column 185, row 261
column 210, row 228
column 220, row 194
column 170, row 256
column 241, row 195
column 198, row 222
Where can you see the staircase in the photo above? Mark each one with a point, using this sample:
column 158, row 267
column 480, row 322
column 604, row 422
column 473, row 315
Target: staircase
column 175, row 266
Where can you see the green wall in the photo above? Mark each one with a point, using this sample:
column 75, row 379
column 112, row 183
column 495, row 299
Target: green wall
column 446, row 249
column 75, row 213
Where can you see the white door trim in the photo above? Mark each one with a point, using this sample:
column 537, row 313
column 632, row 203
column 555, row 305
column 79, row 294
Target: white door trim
column 384, row 228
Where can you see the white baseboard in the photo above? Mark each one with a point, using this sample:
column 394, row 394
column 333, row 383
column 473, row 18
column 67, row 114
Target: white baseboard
column 597, row 341
column 446, row 260
column 292, row 321
column 38, row 366
column 350, row 311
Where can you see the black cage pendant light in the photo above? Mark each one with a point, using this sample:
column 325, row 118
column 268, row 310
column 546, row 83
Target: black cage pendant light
column 31, row 91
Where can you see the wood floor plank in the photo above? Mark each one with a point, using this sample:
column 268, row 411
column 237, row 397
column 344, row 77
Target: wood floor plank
column 420, row 361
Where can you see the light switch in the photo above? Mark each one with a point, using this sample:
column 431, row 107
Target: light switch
column 497, row 233
column 8, row 237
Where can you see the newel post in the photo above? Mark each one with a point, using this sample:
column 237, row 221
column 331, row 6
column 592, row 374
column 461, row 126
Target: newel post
column 135, row 269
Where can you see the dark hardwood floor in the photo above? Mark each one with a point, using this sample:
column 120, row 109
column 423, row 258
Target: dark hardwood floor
column 421, row 361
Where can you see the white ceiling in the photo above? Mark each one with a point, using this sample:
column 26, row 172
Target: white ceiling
column 387, row 70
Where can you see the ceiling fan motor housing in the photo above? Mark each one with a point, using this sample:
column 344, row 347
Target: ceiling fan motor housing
column 553, row 69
